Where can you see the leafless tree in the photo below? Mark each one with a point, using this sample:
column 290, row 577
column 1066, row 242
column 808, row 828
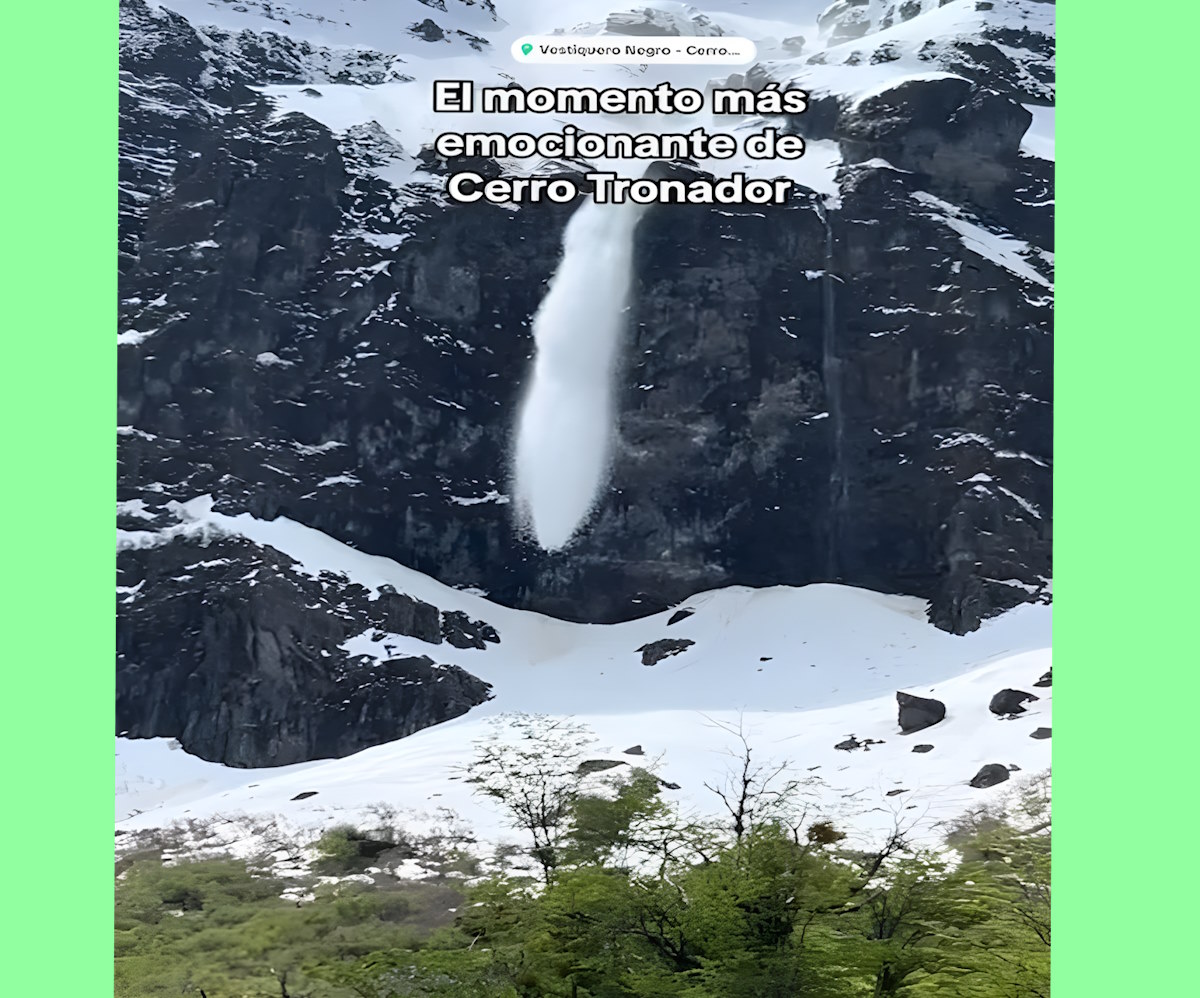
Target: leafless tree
column 754, row 792
column 529, row 764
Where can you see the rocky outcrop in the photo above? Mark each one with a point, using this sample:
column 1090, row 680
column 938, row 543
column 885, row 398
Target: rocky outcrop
column 227, row 647
column 461, row 631
column 656, row 651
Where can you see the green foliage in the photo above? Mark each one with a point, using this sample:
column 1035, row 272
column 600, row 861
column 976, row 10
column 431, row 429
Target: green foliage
column 639, row 904
column 610, row 831
column 337, row 851
column 220, row 926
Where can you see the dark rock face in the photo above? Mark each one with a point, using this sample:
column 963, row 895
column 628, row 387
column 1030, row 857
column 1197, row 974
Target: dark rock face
column 918, row 712
column 656, row 651
column 679, row 615
column 1040, row 733
column 845, row 394
column 1009, row 702
column 922, row 748
column 989, row 776
column 1046, row 680
column 966, row 135
column 225, row 646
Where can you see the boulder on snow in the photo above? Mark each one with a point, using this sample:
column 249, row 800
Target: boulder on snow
column 305, row 794
column 1045, row 680
column 922, row 748
column 918, row 712
column 989, row 776
column 852, row 743
column 1040, row 733
column 1008, row 702
column 656, row 651
column 589, row 766
column 634, row 750
column 679, row 615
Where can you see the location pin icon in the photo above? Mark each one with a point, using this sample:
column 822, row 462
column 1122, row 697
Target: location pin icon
column 526, row 48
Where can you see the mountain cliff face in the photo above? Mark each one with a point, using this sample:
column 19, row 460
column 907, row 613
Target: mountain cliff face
column 852, row 387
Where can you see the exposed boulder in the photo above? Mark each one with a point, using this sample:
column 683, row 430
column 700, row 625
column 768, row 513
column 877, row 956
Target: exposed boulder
column 1040, row 733
column 1007, row 703
column 989, row 776
column 922, row 748
column 918, row 712
column 852, row 743
column 1046, row 679
column 589, row 766
column 679, row 615
column 656, row 651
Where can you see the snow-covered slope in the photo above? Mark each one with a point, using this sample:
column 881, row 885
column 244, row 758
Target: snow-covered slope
column 802, row 669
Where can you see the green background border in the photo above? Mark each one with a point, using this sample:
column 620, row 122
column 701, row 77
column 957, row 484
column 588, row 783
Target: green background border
column 1125, row 500
column 1126, row 366
column 59, row 92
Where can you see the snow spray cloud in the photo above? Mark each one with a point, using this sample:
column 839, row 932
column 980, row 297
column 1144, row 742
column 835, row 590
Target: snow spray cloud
column 564, row 430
